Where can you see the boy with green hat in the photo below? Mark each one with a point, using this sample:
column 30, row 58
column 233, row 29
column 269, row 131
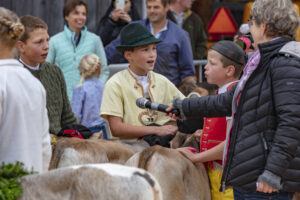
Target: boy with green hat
column 126, row 120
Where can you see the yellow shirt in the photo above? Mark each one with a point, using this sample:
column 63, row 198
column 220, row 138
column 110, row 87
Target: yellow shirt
column 123, row 89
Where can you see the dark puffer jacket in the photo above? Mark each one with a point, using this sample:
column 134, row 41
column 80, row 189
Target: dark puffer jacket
column 108, row 29
column 266, row 130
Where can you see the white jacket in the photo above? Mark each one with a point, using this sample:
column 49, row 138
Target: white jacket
column 24, row 124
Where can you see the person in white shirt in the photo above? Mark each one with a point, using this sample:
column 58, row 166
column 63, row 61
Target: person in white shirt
column 24, row 122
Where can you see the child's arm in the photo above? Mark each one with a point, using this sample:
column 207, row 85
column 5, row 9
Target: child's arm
column 67, row 115
column 215, row 153
column 120, row 129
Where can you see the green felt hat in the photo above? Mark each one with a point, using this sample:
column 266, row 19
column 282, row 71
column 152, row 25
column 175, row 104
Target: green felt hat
column 135, row 35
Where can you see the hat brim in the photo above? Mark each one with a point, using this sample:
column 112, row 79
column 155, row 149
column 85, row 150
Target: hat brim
column 150, row 40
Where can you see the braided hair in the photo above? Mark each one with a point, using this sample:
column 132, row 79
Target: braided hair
column 10, row 27
column 89, row 66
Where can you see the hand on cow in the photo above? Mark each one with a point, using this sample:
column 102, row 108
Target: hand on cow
column 264, row 187
column 166, row 130
column 168, row 110
column 188, row 154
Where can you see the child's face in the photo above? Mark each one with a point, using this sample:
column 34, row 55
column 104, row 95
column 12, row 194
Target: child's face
column 142, row 59
column 215, row 73
column 76, row 18
column 36, row 47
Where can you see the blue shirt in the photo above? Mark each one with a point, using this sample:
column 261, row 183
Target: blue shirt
column 86, row 102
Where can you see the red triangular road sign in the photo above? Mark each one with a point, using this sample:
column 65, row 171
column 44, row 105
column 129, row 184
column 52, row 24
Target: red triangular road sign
column 222, row 23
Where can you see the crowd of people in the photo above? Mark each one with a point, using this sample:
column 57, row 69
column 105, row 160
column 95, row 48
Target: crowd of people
column 249, row 130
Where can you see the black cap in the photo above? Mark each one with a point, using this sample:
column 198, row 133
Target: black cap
column 230, row 50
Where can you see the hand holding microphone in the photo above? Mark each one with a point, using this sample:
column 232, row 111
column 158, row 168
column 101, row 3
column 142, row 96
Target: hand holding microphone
column 144, row 103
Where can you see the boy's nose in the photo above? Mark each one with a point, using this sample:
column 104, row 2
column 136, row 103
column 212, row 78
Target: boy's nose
column 205, row 67
column 153, row 53
column 46, row 45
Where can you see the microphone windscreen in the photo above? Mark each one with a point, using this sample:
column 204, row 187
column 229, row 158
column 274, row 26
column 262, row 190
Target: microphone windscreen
column 141, row 102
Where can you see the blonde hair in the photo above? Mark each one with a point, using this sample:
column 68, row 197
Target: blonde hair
column 89, row 66
column 280, row 17
column 10, row 27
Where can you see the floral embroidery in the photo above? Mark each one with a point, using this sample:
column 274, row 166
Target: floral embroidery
column 135, row 86
column 153, row 86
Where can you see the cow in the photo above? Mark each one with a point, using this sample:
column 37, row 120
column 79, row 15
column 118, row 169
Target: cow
column 73, row 151
column 91, row 182
column 186, row 140
column 178, row 177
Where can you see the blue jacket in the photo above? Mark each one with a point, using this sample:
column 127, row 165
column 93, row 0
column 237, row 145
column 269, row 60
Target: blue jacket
column 66, row 55
column 174, row 53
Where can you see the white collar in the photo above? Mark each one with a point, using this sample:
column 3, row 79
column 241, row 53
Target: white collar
column 223, row 88
column 160, row 31
column 30, row 67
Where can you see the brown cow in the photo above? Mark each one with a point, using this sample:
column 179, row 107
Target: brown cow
column 91, row 182
column 186, row 140
column 73, row 151
column 178, row 177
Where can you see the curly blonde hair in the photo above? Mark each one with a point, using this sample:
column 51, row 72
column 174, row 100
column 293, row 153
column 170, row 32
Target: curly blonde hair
column 10, row 27
column 89, row 66
column 280, row 17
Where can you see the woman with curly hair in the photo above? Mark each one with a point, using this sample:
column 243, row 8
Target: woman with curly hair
column 262, row 154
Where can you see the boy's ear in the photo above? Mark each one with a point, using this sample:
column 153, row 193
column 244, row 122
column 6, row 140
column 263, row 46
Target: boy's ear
column 127, row 55
column 230, row 71
column 20, row 46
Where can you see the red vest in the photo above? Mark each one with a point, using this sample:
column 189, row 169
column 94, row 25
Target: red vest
column 214, row 132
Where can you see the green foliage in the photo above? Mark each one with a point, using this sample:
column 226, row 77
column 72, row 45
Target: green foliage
column 10, row 187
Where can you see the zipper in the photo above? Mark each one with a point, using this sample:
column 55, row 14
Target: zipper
column 229, row 155
column 223, row 187
column 233, row 137
column 265, row 145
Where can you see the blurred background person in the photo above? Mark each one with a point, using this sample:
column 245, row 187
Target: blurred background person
column 115, row 19
column 87, row 97
column 192, row 23
column 69, row 46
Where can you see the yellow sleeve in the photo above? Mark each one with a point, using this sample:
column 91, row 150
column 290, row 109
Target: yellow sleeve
column 112, row 100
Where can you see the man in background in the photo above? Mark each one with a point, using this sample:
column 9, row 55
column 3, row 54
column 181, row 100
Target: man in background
column 192, row 23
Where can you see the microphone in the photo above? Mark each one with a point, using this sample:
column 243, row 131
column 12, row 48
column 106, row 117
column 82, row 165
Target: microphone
column 144, row 103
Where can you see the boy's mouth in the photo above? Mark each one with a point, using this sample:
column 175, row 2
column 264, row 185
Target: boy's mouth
column 44, row 55
column 150, row 62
